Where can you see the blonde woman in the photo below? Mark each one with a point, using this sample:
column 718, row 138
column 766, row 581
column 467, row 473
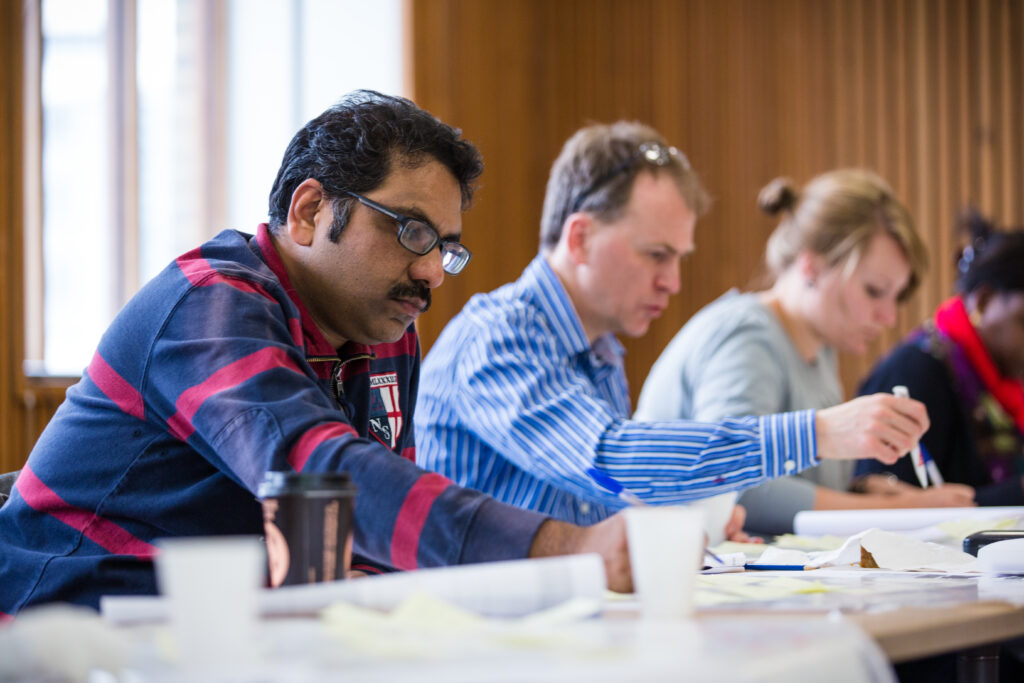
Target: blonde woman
column 843, row 257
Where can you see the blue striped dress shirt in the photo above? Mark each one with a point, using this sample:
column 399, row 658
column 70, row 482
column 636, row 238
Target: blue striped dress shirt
column 514, row 401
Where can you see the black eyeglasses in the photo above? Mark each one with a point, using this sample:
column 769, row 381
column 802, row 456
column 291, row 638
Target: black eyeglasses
column 653, row 153
column 420, row 238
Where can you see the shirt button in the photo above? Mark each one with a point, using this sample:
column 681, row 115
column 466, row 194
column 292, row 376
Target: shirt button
column 585, row 507
column 789, row 466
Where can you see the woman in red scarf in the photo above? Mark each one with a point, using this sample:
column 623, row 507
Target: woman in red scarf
column 967, row 365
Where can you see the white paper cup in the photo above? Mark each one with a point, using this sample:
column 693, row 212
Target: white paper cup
column 666, row 544
column 717, row 511
column 211, row 585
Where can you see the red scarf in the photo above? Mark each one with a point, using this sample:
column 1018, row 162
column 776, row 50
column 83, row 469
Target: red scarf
column 951, row 318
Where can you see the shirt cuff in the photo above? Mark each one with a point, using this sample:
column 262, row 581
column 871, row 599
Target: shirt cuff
column 789, row 443
column 500, row 532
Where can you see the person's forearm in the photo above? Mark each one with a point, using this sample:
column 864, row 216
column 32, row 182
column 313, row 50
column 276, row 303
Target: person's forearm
column 551, row 539
column 947, row 495
column 607, row 539
column 830, row 499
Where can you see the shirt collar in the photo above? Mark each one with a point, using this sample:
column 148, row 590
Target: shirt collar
column 608, row 351
column 542, row 285
column 316, row 343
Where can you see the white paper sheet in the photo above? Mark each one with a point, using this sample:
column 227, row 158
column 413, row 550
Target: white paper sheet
column 512, row 588
column 848, row 522
column 894, row 551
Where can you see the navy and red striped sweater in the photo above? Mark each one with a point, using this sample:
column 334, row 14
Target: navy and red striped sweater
column 210, row 376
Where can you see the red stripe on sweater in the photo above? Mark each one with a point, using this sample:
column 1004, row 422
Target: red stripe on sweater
column 115, row 387
column 108, row 535
column 229, row 376
column 314, row 437
column 405, row 540
column 200, row 273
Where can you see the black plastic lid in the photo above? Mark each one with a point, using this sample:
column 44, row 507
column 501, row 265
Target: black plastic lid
column 285, row 483
column 980, row 539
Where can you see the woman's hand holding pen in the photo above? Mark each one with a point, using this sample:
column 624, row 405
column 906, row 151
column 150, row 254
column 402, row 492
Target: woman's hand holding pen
column 945, row 495
column 880, row 426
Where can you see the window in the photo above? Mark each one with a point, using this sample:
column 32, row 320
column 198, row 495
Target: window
column 163, row 122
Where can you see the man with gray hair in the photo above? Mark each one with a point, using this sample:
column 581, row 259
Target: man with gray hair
column 524, row 396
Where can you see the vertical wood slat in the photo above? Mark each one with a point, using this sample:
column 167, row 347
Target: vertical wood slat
column 986, row 97
column 11, row 196
column 963, row 133
column 1009, row 129
column 942, row 244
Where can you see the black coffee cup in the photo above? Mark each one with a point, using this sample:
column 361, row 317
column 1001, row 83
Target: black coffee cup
column 307, row 519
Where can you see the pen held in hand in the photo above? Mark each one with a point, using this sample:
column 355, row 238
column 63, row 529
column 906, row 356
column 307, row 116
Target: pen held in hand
column 933, row 470
column 915, row 453
column 611, row 484
column 625, row 495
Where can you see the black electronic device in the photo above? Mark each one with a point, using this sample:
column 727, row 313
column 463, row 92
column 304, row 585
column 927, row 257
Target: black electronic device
column 980, row 539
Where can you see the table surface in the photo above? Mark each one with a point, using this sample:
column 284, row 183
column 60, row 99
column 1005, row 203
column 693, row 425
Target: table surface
column 917, row 632
column 851, row 616
column 752, row 649
column 909, row 615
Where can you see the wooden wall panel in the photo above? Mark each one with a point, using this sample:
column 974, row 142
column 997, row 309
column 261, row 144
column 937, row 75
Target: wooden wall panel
column 930, row 93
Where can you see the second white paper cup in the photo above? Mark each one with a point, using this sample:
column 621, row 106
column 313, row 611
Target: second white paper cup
column 211, row 586
column 666, row 544
column 717, row 511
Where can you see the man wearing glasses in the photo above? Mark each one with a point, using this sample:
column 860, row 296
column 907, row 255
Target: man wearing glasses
column 293, row 349
column 524, row 397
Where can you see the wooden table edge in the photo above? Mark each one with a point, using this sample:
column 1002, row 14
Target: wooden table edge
column 907, row 633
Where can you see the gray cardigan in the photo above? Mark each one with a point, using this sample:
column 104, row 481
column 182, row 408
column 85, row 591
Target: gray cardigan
column 734, row 358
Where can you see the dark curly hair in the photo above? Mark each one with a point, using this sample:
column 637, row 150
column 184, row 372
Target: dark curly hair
column 991, row 257
column 352, row 145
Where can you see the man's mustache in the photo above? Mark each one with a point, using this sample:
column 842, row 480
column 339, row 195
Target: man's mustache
column 411, row 291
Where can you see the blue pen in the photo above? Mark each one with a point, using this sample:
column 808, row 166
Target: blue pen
column 628, row 496
column 776, row 567
column 614, row 486
column 933, row 469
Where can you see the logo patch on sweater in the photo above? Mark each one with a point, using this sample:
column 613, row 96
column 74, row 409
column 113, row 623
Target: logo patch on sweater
column 385, row 410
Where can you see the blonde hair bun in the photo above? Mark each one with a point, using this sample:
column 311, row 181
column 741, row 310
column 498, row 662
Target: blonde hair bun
column 777, row 196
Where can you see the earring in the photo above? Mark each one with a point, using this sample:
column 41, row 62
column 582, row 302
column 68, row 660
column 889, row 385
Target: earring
column 975, row 317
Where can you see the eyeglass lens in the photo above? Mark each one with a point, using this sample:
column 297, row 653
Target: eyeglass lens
column 420, row 238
